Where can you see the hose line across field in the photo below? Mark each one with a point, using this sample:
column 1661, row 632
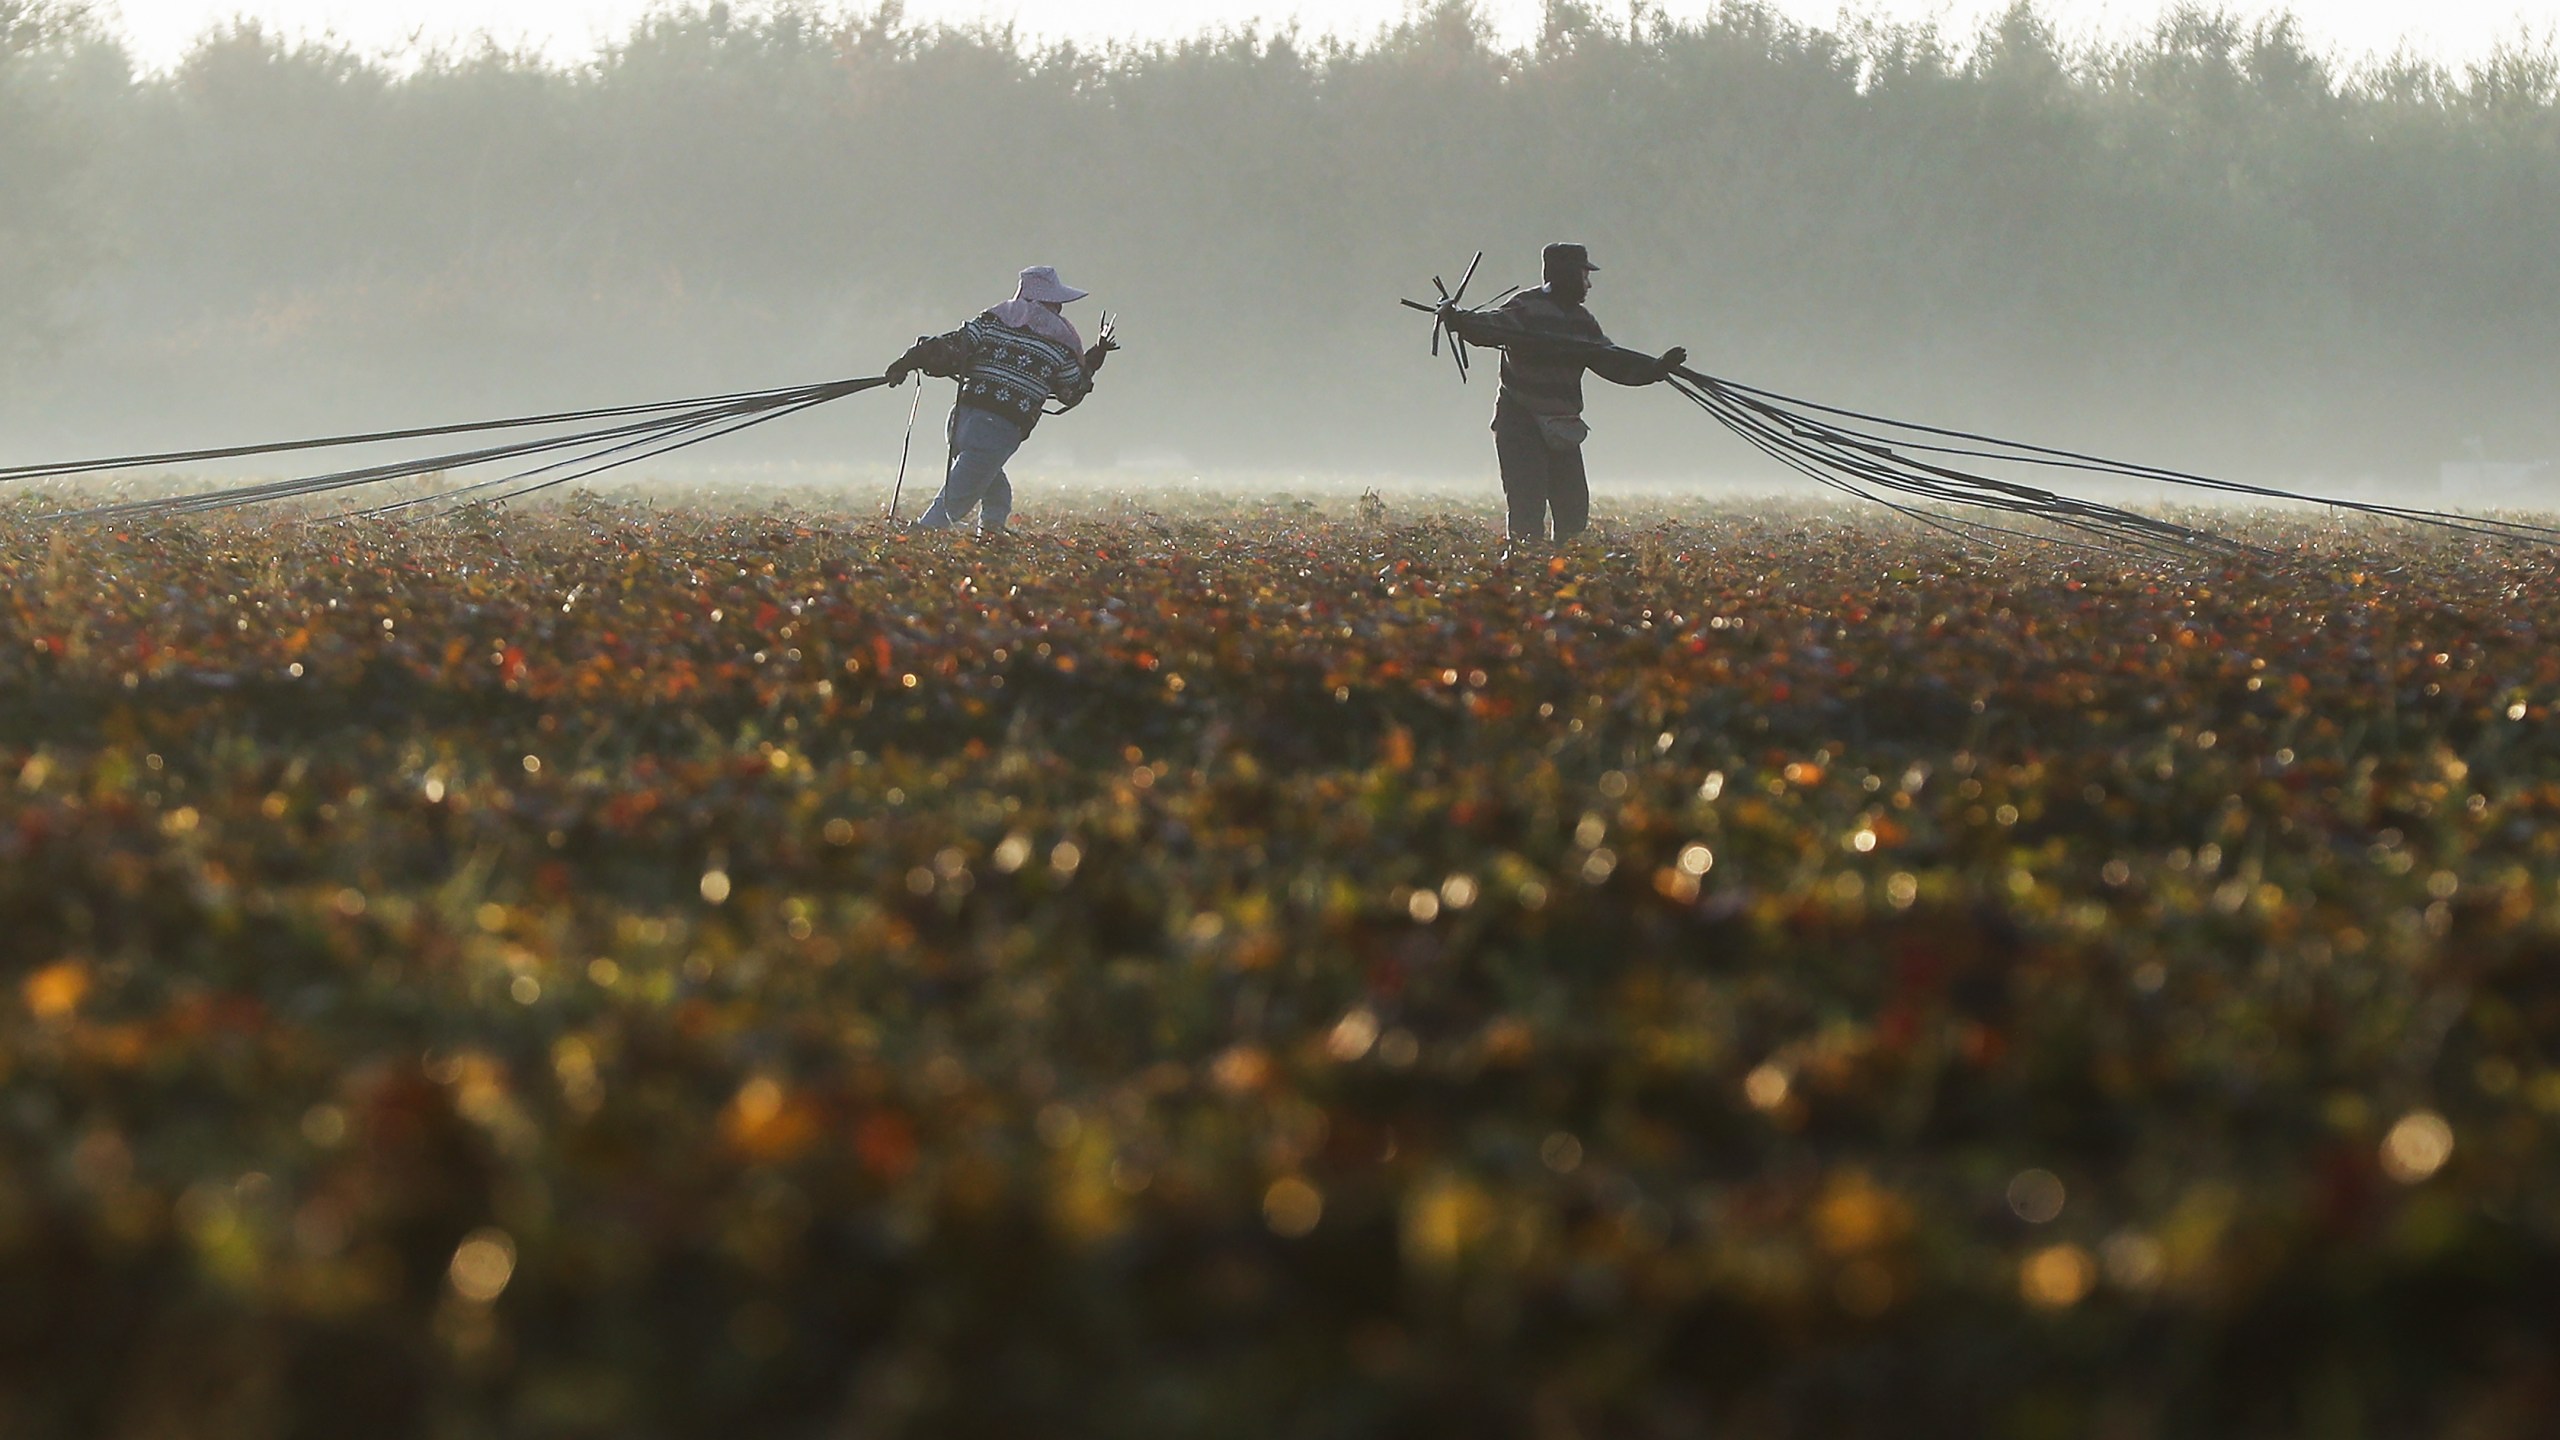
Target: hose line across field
column 632, row 433
column 1854, row 447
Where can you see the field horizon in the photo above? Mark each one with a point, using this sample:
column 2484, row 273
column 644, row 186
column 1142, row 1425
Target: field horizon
column 848, row 492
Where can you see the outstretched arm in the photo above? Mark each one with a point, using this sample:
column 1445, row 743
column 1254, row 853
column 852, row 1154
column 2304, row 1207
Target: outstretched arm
column 1489, row 328
column 1498, row 329
column 1072, row 392
column 943, row 355
column 1615, row 363
column 1621, row 366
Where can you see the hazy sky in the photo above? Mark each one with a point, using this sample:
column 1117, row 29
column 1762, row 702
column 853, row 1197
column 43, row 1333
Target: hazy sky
column 161, row 29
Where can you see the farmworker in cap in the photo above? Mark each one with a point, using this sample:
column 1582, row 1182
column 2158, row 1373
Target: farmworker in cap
column 1547, row 340
column 1010, row 362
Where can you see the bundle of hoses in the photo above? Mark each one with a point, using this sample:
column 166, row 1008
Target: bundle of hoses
column 1874, row 457
column 579, row 444
column 1914, row 469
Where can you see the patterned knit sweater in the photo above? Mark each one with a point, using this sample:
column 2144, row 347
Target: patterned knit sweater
column 1547, row 343
column 1008, row 371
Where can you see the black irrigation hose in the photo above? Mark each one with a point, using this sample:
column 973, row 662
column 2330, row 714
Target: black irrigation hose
column 344, row 479
column 662, row 429
column 2057, row 459
column 667, row 443
column 2109, row 531
column 233, row 452
column 1967, row 530
column 1852, row 453
column 732, row 428
column 2107, row 538
column 669, row 426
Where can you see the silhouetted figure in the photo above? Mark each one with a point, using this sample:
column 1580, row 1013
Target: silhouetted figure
column 1010, row 362
column 1547, row 340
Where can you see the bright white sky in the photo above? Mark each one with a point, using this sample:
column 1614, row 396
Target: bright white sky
column 160, row 30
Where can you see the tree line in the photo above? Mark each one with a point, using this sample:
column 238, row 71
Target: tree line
column 2213, row 245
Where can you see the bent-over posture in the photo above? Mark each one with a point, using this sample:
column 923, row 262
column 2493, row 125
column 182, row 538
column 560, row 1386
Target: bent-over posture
column 1010, row 362
column 1548, row 339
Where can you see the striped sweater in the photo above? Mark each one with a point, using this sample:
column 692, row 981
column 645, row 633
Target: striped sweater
column 1546, row 344
column 1007, row 371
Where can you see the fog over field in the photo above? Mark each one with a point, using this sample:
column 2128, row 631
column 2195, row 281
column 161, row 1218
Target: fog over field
column 1274, row 946
column 2211, row 249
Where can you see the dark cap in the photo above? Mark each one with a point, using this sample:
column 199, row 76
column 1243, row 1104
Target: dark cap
column 1566, row 258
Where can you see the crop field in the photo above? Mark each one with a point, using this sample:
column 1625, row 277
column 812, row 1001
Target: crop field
column 1272, row 969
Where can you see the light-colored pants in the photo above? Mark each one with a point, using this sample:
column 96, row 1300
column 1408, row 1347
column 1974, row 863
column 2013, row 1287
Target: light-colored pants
column 981, row 441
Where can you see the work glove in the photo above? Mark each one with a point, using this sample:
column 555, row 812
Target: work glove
column 923, row 356
column 909, row 363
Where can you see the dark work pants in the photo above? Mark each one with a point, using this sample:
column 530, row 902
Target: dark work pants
column 1537, row 477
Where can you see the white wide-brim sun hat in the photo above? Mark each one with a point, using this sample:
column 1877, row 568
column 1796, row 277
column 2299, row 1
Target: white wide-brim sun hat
column 1041, row 283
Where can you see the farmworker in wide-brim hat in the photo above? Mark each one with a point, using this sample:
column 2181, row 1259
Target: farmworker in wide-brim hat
column 1011, row 362
column 1548, row 339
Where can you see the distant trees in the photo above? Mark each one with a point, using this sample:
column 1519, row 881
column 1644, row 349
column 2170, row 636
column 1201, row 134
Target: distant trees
column 42, row 247
column 2214, row 242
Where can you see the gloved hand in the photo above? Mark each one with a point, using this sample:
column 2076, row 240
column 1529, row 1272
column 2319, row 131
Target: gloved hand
column 1674, row 358
column 922, row 355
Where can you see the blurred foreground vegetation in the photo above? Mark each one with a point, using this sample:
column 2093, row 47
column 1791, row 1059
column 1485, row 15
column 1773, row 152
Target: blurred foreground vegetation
column 1270, row 971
